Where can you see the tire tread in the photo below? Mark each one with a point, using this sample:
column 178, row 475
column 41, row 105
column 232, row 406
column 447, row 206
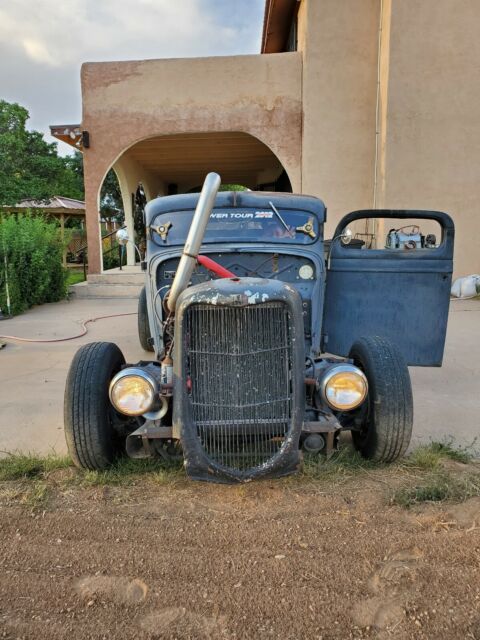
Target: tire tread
column 392, row 405
column 88, row 432
column 143, row 323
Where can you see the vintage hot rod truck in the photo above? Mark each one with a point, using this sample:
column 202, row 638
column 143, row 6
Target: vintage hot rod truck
column 264, row 344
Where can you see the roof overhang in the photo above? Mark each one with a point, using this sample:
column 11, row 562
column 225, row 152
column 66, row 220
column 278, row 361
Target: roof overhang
column 277, row 22
column 70, row 133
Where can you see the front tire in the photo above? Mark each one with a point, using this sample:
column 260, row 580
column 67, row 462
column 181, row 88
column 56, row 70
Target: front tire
column 387, row 420
column 144, row 334
column 92, row 441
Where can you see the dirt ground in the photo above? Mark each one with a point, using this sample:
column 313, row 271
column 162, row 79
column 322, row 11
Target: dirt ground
column 290, row 559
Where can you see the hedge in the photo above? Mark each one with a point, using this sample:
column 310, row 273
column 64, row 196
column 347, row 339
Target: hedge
column 33, row 248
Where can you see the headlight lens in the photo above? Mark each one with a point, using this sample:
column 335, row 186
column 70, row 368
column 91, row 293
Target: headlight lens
column 345, row 387
column 132, row 392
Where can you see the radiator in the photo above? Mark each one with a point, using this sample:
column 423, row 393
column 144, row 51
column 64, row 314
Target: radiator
column 239, row 371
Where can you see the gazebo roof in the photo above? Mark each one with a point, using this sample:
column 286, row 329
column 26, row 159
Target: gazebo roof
column 56, row 204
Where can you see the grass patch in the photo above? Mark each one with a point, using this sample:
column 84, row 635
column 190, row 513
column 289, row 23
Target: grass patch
column 74, row 277
column 417, row 479
column 344, row 463
column 439, row 487
column 430, row 456
column 27, row 479
column 126, row 470
column 31, row 494
column 24, row 466
column 36, row 495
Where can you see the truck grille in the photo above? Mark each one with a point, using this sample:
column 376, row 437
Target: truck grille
column 239, row 377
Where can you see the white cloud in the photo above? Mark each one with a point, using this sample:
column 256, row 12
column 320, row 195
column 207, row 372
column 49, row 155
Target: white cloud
column 38, row 52
column 43, row 43
column 61, row 33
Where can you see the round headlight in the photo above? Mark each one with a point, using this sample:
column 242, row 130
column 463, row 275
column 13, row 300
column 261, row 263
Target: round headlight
column 132, row 391
column 305, row 272
column 344, row 387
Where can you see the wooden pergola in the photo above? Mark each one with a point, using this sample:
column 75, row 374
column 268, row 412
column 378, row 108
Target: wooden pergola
column 58, row 207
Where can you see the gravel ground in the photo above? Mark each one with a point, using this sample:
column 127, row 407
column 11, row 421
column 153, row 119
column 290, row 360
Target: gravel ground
column 286, row 559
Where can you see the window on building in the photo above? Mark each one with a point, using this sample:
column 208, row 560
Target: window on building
column 292, row 37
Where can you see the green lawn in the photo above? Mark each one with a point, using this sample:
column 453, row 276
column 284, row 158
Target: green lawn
column 75, row 276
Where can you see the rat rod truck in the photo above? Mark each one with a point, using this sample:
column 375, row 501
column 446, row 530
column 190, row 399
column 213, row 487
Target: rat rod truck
column 263, row 345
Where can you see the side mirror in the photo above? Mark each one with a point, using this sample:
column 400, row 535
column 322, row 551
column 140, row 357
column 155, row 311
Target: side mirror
column 347, row 236
column 122, row 237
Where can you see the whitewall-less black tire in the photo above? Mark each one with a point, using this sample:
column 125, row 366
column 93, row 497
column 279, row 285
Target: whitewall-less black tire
column 387, row 424
column 92, row 440
column 143, row 325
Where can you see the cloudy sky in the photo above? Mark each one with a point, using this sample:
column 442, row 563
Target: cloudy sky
column 44, row 42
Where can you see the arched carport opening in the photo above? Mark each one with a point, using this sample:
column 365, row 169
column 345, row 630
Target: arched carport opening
column 169, row 164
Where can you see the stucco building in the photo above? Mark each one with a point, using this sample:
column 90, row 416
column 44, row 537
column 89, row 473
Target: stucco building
column 365, row 103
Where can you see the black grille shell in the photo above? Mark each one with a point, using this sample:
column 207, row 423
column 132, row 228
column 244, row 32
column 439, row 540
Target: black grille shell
column 238, row 363
column 237, row 393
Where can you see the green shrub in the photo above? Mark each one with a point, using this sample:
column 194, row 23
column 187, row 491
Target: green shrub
column 34, row 249
column 111, row 260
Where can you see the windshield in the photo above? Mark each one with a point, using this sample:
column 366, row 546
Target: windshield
column 239, row 225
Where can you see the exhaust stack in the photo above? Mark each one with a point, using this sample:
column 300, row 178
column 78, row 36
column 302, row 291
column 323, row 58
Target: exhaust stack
column 194, row 238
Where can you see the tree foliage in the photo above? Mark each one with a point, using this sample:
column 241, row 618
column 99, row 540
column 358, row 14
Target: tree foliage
column 140, row 202
column 111, row 204
column 30, row 167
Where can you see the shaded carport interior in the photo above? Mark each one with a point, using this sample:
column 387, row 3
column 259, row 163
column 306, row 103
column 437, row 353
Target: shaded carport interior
column 183, row 160
column 169, row 164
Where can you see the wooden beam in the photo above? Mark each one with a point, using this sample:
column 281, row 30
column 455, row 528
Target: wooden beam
column 62, row 235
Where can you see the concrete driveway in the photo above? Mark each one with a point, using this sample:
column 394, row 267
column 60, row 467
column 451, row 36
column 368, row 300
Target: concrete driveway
column 32, row 376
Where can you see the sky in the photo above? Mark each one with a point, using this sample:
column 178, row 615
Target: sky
column 43, row 44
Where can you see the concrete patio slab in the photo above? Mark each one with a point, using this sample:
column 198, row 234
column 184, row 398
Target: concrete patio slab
column 32, row 375
column 447, row 399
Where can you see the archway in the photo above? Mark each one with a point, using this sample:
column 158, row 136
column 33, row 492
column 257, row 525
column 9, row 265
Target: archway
column 168, row 164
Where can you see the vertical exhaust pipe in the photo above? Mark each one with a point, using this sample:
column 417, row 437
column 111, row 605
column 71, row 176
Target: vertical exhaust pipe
column 194, row 238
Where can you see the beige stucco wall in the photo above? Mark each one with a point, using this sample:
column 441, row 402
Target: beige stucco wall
column 358, row 125
column 431, row 137
column 339, row 42
column 124, row 102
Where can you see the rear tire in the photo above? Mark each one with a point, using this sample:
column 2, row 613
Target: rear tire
column 143, row 325
column 388, row 412
column 92, row 440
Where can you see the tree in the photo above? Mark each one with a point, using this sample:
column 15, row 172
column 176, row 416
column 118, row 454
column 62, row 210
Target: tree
column 111, row 203
column 30, row 167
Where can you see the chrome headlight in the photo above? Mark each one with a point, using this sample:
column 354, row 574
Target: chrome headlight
column 344, row 387
column 133, row 391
